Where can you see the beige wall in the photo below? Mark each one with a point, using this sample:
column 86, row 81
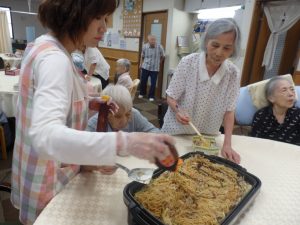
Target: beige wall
column 244, row 18
column 157, row 5
column 132, row 44
column 179, row 24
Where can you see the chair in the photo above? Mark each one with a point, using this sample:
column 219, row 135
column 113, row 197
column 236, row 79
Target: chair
column 3, row 143
column 161, row 112
column 134, row 87
column 245, row 109
column 6, row 187
column 297, row 88
column 2, row 64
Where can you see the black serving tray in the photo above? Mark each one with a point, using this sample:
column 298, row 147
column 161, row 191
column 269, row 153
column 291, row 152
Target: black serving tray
column 138, row 215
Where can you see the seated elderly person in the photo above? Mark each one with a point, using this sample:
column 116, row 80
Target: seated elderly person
column 127, row 118
column 122, row 73
column 280, row 120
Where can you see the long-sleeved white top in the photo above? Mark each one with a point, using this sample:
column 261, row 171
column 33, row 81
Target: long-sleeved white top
column 57, row 88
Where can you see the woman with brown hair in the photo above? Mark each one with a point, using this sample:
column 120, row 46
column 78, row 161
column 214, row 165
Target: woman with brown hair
column 52, row 110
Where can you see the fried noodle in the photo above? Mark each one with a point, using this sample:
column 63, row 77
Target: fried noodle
column 200, row 192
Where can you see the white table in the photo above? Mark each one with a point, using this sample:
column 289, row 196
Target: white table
column 95, row 199
column 12, row 60
column 8, row 94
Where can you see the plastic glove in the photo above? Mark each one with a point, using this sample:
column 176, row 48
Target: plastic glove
column 147, row 146
column 106, row 170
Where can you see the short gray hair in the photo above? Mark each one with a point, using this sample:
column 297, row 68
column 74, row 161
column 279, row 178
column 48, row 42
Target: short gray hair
column 272, row 84
column 124, row 62
column 151, row 35
column 222, row 26
column 120, row 95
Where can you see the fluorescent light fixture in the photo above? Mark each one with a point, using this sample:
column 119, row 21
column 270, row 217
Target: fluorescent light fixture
column 217, row 13
column 22, row 12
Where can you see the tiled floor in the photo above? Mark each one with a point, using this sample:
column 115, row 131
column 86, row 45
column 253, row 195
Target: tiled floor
column 7, row 211
column 148, row 109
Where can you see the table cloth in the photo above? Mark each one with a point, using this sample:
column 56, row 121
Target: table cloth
column 95, row 199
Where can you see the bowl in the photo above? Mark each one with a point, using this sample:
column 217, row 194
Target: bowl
column 209, row 147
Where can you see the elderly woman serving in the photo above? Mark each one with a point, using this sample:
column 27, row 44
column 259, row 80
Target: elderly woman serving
column 280, row 120
column 206, row 85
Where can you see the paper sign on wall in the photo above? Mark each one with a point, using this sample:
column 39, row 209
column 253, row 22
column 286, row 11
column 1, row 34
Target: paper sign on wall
column 182, row 41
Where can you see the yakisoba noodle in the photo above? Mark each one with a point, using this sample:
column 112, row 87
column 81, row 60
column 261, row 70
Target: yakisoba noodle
column 201, row 192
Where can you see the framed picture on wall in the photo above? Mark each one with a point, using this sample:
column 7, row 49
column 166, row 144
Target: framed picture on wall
column 129, row 5
column 132, row 18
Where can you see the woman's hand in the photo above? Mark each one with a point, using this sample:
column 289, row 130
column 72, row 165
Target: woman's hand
column 113, row 107
column 182, row 118
column 106, row 170
column 228, row 153
column 87, row 77
column 95, row 103
column 147, row 146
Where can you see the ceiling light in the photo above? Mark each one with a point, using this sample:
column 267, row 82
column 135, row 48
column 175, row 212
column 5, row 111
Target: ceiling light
column 217, row 13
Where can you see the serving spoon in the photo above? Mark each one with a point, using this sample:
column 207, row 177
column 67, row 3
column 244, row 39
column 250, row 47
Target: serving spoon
column 141, row 175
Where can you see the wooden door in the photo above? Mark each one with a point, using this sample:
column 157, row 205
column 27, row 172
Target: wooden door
column 156, row 23
column 289, row 54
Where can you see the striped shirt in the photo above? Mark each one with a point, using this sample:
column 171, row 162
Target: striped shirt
column 265, row 125
column 152, row 57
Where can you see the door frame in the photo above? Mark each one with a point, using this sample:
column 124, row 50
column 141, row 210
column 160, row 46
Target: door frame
column 158, row 93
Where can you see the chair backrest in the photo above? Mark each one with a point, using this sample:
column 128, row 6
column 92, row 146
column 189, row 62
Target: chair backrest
column 245, row 109
column 297, row 88
column 161, row 112
column 2, row 65
column 134, row 87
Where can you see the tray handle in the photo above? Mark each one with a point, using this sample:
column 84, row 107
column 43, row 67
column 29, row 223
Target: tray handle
column 136, row 212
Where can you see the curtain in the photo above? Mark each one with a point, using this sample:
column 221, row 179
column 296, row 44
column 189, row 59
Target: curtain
column 5, row 41
column 281, row 16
